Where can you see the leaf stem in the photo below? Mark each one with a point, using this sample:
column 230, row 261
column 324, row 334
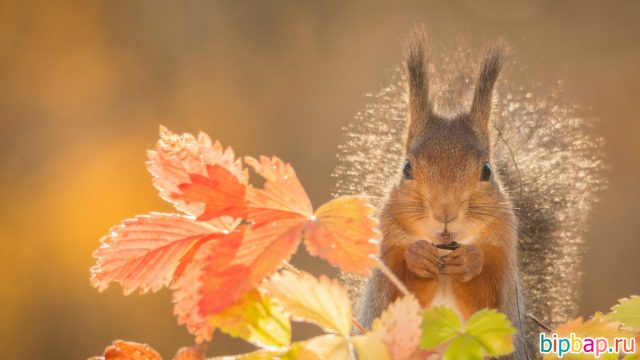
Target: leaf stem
column 394, row 279
column 358, row 326
column 287, row 265
column 539, row 322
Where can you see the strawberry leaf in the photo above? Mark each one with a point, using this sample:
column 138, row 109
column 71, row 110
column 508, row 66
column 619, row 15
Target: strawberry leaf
column 463, row 347
column 486, row 333
column 292, row 353
column 399, row 327
column 627, row 312
column 342, row 232
column 193, row 352
column 439, row 325
column 370, row 347
column 256, row 320
column 187, row 288
column 127, row 350
column 179, row 159
column 258, row 255
column 366, row 347
column 144, row 252
column 322, row 347
column 282, row 197
column 278, row 213
column 320, row 301
column 598, row 326
column 492, row 330
column 221, row 193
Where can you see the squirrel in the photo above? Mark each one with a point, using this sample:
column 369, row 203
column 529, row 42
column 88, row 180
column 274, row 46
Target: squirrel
column 448, row 192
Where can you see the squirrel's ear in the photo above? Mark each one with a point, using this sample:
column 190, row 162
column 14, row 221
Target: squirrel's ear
column 417, row 74
column 483, row 96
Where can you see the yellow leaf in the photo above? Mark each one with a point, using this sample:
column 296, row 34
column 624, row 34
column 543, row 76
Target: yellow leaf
column 596, row 327
column 627, row 312
column 325, row 347
column 256, row 320
column 320, row 301
column 370, row 347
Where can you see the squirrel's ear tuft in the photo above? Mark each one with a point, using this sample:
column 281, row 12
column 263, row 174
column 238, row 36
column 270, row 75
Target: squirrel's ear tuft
column 483, row 96
column 417, row 74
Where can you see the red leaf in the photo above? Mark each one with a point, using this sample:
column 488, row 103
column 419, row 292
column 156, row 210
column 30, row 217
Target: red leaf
column 220, row 191
column 145, row 252
column 259, row 255
column 341, row 232
column 278, row 212
column 189, row 288
column 179, row 157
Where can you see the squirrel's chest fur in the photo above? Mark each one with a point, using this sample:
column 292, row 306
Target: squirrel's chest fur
column 483, row 291
column 443, row 295
column 438, row 292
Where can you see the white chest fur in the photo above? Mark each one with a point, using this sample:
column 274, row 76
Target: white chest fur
column 444, row 295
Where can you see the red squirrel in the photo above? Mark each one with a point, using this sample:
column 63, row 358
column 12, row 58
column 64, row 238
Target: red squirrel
column 448, row 193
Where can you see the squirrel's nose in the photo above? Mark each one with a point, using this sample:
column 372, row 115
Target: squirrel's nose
column 445, row 219
column 445, row 216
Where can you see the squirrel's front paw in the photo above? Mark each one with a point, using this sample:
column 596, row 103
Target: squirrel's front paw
column 422, row 259
column 463, row 263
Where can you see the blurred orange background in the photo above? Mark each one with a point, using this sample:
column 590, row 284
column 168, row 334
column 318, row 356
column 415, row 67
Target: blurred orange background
column 84, row 85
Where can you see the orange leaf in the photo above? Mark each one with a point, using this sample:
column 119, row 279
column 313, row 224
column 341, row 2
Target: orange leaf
column 194, row 352
column 144, row 252
column 127, row 350
column 177, row 158
column 343, row 233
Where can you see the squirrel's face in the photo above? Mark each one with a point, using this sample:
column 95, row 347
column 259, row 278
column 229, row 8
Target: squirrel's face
column 448, row 191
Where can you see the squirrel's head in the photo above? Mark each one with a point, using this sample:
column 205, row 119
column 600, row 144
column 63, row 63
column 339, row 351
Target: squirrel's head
column 448, row 190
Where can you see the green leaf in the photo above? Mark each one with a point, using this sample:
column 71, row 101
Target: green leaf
column 627, row 312
column 486, row 333
column 439, row 325
column 492, row 330
column 256, row 320
column 463, row 347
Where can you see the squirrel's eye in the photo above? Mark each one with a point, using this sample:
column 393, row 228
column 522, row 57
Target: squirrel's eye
column 407, row 171
column 486, row 172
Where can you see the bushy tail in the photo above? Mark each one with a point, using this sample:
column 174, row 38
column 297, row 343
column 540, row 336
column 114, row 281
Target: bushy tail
column 549, row 163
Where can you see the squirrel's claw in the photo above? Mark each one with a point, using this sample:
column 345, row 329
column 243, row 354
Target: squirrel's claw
column 422, row 259
column 464, row 263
